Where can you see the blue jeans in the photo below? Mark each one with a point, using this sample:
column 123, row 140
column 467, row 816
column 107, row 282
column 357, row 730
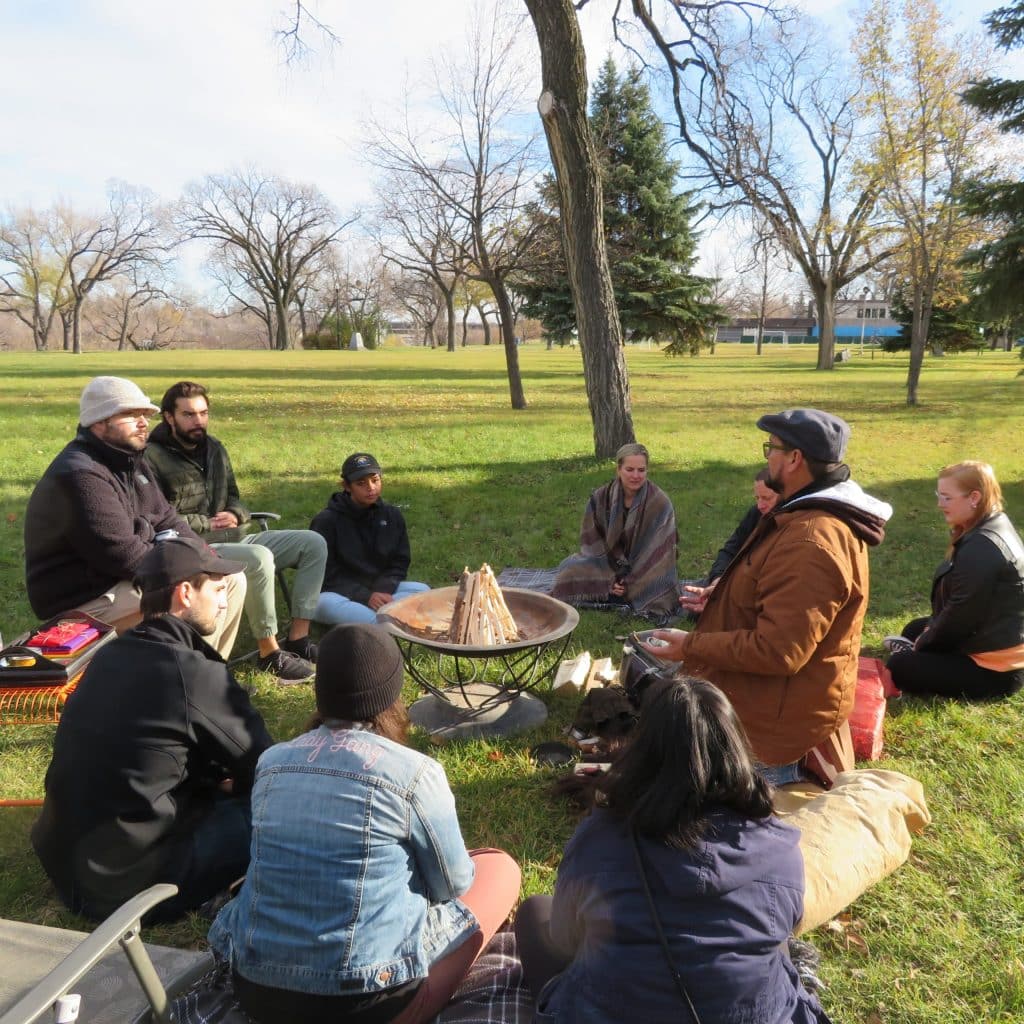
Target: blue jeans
column 782, row 774
column 333, row 608
column 218, row 855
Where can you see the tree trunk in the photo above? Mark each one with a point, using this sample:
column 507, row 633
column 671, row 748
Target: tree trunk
column 825, row 300
column 486, row 324
column 465, row 324
column 563, row 110
column 283, row 328
column 449, row 305
column 40, row 327
column 764, row 303
column 921, row 314
column 76, row 329
column 508, row 337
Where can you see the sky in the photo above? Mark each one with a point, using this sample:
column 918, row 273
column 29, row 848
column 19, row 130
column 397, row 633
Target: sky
column 161, row 94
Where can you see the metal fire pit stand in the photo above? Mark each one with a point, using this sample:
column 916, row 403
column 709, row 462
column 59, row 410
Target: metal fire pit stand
column 466, row 702
column 521, row 670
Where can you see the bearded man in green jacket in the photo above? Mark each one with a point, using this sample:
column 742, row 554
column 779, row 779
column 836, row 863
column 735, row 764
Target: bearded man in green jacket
column 194, row 471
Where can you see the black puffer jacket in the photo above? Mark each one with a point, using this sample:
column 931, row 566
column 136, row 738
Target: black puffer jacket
column 90, row 521
column 156, row 723
column 198, row 484
column 367, row 548
column 978, row 595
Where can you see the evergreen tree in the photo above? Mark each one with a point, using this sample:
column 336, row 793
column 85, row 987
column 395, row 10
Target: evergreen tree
column 651, row 244
column 999, row 264
column 952, row 327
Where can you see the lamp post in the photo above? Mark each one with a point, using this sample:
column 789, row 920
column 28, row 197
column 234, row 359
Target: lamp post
column 863, row 316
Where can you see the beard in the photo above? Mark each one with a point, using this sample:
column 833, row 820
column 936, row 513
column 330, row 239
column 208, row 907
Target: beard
column 204, row 625
column 135, row 441
column 191, row 438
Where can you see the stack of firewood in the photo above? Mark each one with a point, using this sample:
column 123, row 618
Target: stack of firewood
column 481, row 617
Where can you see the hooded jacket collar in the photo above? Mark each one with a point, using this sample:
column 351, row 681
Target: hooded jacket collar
column 341, row 501
column 169, row 629
column 115, row 459
column 837, row 494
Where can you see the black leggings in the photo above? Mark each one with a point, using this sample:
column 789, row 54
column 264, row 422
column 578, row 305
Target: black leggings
column 948, row 674
column 541, row 959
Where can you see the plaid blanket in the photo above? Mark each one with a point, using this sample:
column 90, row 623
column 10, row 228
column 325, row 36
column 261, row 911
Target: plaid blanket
column 543, row 580
column 636, row 545
column 492, row 993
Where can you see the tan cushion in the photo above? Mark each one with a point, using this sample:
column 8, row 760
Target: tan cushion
column 852, row 836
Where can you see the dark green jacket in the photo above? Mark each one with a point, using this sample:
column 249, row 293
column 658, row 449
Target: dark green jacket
column 197, row 492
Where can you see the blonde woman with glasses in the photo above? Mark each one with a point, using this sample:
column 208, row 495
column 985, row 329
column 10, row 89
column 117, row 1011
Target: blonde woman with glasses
column 972, row 645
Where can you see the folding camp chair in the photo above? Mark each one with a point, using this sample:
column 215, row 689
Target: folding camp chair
column 120, row 929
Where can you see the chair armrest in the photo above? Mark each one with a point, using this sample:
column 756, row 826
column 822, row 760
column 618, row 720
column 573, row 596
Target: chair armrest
column 264, row 519
column 122, row 925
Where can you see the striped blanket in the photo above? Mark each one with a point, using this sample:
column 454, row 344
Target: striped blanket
column 637, row 544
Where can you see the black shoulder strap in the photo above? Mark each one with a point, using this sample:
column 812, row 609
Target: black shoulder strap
column 657, row 927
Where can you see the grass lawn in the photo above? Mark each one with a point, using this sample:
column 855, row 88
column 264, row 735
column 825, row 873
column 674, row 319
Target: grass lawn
column 939, row 941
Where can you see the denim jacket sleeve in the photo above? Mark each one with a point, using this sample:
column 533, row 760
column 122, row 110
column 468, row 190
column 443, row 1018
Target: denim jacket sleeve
column 441, row 854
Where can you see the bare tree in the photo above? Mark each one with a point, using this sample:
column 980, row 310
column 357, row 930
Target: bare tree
column 770, row 117
column 32, row 276
column 130, row 235
column 266, row 232
column 482, row 173
column 134, row 310
column 420, row 232
column 763, row 259
column 927, row 144
column 416, row 295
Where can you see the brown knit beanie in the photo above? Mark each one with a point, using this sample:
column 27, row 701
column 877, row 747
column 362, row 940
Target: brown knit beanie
column 358, row 672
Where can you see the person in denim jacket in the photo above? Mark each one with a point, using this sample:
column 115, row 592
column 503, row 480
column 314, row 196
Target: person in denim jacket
column 725, row 875
column 361, row 902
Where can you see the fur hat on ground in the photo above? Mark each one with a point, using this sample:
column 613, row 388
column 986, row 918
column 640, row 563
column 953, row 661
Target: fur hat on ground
column 819, row 435
column 358, row 672
column 104, row 397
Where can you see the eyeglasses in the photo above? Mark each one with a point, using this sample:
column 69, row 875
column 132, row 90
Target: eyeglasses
column 945, row 499
column 768, row 448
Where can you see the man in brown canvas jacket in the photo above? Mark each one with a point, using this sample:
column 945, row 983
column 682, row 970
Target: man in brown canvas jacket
column 780, row 630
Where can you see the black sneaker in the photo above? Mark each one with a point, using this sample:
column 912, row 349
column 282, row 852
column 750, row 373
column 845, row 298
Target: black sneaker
column 897, row 645
column 303, row 647
column 289, row 668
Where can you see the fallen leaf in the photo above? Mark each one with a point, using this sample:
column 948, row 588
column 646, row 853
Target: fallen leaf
column 495, row 755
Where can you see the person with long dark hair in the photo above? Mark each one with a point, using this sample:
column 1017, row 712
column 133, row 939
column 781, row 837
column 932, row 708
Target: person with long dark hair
column 676, row 897
column 972, row 645
column 361, row 902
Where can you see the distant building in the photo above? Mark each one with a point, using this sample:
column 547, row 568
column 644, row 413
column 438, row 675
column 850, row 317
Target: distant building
column 871, row 314
column 784, row 330
column 851, row 315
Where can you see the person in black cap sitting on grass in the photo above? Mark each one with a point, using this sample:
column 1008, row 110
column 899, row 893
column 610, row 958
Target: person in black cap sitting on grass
column 367, row 547
column 155, row 753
